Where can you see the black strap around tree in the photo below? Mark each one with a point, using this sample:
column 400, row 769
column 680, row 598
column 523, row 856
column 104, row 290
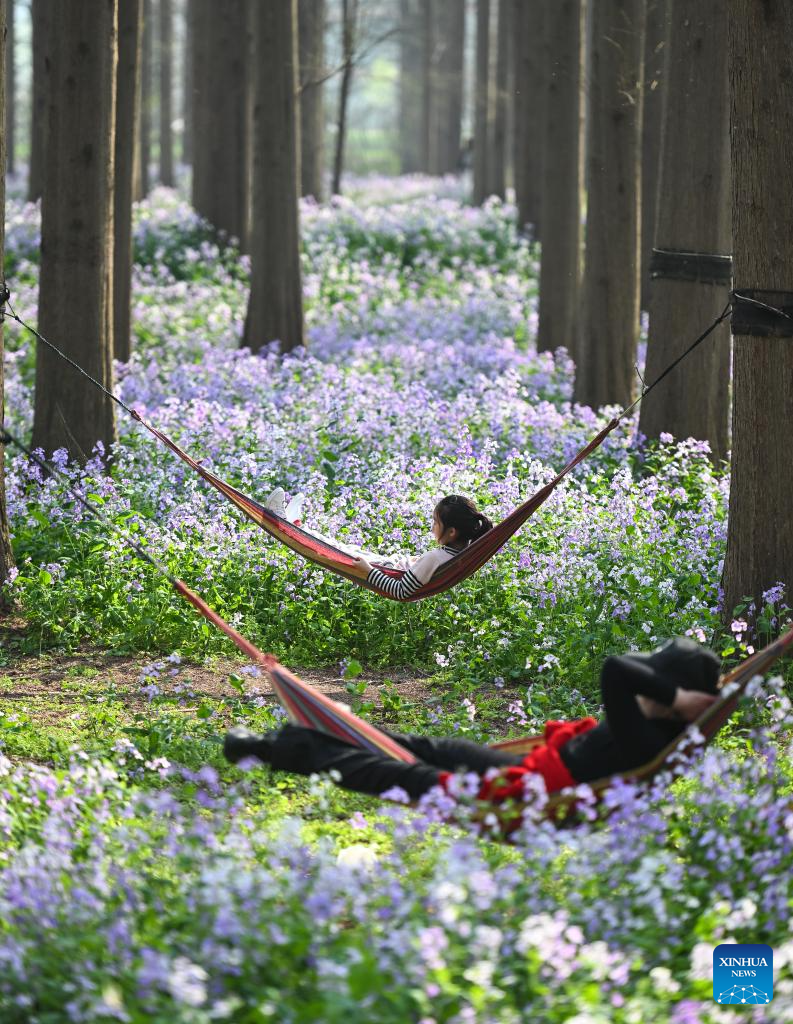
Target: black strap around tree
column 761, row 313
column 696, row 267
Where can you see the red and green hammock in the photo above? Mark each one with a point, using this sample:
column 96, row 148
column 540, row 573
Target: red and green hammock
column 457, row 569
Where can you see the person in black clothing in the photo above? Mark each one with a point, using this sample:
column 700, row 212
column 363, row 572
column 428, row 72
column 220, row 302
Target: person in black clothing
column 648, row 699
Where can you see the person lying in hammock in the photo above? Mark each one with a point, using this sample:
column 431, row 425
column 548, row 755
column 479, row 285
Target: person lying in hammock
column 648, row 700
column 456, row 521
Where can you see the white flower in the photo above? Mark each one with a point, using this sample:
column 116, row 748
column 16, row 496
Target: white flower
column 663, row 981
column 357, row 857
column 187, row 982
column 702, row 961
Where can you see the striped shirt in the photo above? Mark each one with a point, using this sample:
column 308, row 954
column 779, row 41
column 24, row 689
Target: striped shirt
column 421, row 572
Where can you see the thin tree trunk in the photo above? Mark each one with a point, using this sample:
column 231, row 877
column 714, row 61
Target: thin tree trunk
column 311, row 26
column 656, row 48
column 76, row 283
column 10, row 87
column 528, row 24
column 560, row 265
column 222, row 162
column 144, row 132
column 609, row 327
column 497, row 150
column 760, row 539
column 448, row 103
column 693, row 216
column 166, row 92
column 187, row 80
column 275, row 309
column 40, row 17
column 6, row 554
column 349, row 25
column 130, row 33
column 410, row 48
column 482, row 101
column 428, row 86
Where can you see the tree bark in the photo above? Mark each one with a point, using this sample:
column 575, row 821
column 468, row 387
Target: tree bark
column 275, row 309
column 446, row 100
column 144, row 131
column 609, row 327
column 6, row 554
column 166, row 92
column 693, row 216
column 349, row 29
column 40, row 19
column 222, row 161
column 76, row 286
column 410, row 86
column 560, row 265
column 497, row 149
column 760, row 540
column 130, row 33
column 311, row 27
column 187, row 80
column 656, row 47
column 528, row 21
column 10, row 87
column 482, row 101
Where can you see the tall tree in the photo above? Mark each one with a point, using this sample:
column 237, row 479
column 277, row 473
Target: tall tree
column 76, row 287
column 481, row 101
column 448, row 98
column 166, row 92
column 497, row 147
column 275, row 308
column 759, row 538
column 146, row 98
column 187, row 83
column 10, row 87
column 222, row 161
column 6, row 554
column 528, row 26
column 40, row 18
column 130, row 34
column 349, row 30
column 560, row 265
column 609, row 326
column 410, row 85
column 311, row 27
column 686, row 292
column 655, row 51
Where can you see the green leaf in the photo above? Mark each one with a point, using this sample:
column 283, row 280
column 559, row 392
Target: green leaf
column 353, row 669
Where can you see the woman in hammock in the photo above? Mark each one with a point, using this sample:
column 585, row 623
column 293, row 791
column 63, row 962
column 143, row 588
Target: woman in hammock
column 456, row 521
column 647, row 698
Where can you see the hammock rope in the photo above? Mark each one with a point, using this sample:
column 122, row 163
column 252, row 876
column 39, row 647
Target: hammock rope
column 454, row 571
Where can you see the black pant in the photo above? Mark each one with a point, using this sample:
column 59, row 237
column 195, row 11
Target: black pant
column 305, row 751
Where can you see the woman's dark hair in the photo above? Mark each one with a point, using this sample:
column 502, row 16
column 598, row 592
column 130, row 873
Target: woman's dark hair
column 455, row 511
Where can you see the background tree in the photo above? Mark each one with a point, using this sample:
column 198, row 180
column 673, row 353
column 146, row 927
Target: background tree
column 10, row 87
column 166, row 92
column 528, row 26
column 76, row 287
column 222, row 94
column 560, row 265
column 609, row 326
column 410, row 85
column 481, row 101
column 187, row 82
column 693, row 217
column 759, row 538
column 146, row 100
column 275, row 307
column 497, row 123
column 447, row 95
column 311, row 38
column 349, row 29
column 130, row 34
column 40, row 18
column 655, row 53
column 6, row 554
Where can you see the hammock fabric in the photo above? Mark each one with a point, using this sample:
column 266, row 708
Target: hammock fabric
column 307, row 706
column 457, row 569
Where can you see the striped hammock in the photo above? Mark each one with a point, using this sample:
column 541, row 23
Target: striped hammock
column 307, row 706
column 452, row 572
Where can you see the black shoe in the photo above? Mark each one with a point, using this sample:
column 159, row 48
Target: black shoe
column 241, row 742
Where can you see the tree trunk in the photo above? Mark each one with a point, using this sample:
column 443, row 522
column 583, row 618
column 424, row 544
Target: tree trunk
column 448, row 103
column 497, row 150
column 130, row 32
column 693, row 216
column 410, row 82
column 144, row 131
column 311, row 27
column 560, row 265
column 76, row 285
column 222, row 160
column 10, row 87
column 609, row 327
column 349, row 27
column 528, row 22
column 166, row 92
column 482, row 101
column 187, row 81
column 428, row 86
column 6, row 554
column 760, row 540
column 656, row 47
column 40, row 19
column 275, row 310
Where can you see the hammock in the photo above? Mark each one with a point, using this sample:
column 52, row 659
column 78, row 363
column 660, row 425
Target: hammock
column 452, row 572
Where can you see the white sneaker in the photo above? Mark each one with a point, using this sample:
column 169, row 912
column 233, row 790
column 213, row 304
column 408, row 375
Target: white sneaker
column 275, row 503
column 294, row 510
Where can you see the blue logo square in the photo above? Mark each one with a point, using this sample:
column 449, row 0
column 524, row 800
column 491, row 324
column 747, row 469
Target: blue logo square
column 743, row 973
